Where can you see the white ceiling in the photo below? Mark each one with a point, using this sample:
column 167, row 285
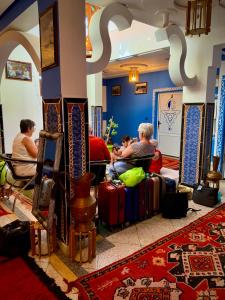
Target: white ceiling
column 155, row 61
column 146, row 11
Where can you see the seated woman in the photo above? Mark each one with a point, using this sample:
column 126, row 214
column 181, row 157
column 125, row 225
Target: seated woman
column 156, row 163
column 139, row 149
column 24, row 148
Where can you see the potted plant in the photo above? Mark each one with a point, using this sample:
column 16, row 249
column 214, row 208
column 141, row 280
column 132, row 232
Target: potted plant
column 110, row 131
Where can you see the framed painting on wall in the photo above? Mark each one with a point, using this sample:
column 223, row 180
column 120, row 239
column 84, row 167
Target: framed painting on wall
column 141, row 88
column 48, row 38
column 18, row 70
column 116, row 90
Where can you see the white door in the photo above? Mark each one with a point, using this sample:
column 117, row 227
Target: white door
column 169, row 123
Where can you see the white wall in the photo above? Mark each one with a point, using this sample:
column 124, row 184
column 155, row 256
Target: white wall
column 20, row 100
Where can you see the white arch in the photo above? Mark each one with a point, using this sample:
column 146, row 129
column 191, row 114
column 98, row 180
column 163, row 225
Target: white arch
column 11, row 39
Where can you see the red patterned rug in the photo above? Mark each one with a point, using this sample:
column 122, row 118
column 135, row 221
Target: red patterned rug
column 21, row 278
column 170, row 162
column 185, row 265
column 3, row 211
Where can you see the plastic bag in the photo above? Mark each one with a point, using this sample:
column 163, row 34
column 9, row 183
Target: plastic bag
column 132, row 177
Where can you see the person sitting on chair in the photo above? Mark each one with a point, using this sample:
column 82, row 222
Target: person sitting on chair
column 98, row 152
column 138, row 149
column 156, row 163
column 25, row 149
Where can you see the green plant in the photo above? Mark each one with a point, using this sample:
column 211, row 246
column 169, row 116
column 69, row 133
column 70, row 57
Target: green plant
column 110, row 129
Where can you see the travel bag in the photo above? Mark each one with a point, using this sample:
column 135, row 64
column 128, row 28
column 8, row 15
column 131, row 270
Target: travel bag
column 206, row 196
column 175, row 205
column 111, row 203
column 131, row 204
column 15, row 239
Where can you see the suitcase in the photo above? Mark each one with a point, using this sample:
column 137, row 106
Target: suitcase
column 131, row 204
column 170, row 185
column 156, row 194
column 149, row 194
column 111, row 203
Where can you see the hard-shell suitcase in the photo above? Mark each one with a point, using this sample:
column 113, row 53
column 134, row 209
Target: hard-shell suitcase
column 142, row 208
column 156, row 194
column 111, row 203
column 131, row 204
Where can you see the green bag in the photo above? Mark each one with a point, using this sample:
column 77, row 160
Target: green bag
column 133, row 176
column 2, row 172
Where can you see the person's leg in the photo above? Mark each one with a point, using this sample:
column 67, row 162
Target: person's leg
column 118, row 168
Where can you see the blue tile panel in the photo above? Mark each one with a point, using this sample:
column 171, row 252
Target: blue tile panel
column 221, row 125
column 99, row 121
column 76, row 131
column 208, row 138
column 52, row 115
column 192, row 134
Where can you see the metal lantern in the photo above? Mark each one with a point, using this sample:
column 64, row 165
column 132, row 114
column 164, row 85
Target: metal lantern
column 198, row 18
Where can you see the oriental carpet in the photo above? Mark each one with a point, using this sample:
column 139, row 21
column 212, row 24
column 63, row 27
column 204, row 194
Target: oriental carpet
column 186, row 264
column 4, row 211
column 21, row 278
column 170, row 162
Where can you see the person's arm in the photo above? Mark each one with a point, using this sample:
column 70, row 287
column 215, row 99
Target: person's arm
column 127, row 152
column 30, row 147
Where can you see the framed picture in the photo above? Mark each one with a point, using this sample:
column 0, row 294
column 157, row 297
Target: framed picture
column 18, row 70
column 141, row 88
column 116, row 90
column 48, row 38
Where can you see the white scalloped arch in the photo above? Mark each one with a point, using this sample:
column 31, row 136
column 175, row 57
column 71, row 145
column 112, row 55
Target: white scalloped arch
column 11, row 39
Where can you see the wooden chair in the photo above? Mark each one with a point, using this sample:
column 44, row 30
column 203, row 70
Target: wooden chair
column 24, row 180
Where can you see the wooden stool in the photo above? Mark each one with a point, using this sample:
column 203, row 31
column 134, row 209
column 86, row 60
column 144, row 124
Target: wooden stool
column 37, row 228
column 77, row 239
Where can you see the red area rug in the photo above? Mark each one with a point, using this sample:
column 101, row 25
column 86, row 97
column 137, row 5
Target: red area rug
column 3, row 212
column 21, row 278
column 170, row 162
column 185, row 265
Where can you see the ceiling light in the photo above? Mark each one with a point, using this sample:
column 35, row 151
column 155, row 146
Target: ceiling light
column 133, row 71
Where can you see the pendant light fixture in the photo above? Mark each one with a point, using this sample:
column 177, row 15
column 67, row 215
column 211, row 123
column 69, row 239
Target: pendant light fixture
column 133, row 71
column 198, row 17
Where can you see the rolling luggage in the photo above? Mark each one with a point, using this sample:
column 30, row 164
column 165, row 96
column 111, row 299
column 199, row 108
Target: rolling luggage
column 111, row 203
column 131, row 204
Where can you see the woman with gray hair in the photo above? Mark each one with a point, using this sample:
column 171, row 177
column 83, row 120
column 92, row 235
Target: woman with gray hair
column 134, row 150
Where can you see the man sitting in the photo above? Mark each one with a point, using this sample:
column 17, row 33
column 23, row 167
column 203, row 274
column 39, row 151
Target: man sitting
column 98, row 152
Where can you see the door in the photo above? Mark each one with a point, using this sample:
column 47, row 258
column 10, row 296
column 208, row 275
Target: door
column 169, row 123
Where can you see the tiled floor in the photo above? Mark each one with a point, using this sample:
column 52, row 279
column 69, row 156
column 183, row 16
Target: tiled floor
column 114, row 246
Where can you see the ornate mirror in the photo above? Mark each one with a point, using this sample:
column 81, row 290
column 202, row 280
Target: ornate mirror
column 48, row 161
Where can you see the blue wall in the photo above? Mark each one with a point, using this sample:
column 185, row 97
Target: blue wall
column 129, row 109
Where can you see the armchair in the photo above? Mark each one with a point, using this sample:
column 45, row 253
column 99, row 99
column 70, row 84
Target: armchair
column 25, row 181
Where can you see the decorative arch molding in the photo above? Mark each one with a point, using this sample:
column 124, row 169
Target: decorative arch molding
column 11, row 39
column 99, row 34
column 178, row 52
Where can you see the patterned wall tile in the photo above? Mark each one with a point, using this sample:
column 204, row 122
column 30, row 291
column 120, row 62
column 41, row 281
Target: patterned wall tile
column 192, row 134
column 96, row 120
column 76, row 136
column 52, row 114
column 221, row 124
column 207, row 138
column 99, row 121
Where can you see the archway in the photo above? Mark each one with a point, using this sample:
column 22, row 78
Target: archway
column 19, row 98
